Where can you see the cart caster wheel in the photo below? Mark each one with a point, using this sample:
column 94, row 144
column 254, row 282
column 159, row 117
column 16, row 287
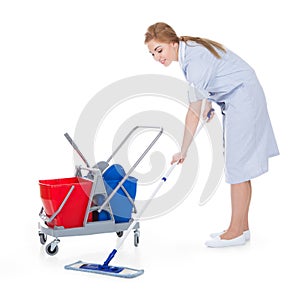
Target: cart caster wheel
column 52, row 248
column 136, row 238
column 43, row 238
column 120, row 233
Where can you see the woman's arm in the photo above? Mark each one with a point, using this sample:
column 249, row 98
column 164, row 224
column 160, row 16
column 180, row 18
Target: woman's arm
column 191, row 124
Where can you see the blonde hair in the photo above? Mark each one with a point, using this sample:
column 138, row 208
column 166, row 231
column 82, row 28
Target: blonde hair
column 164, row 33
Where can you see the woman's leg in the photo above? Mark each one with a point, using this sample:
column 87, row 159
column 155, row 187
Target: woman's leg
column 240, row 202
column 246, row 222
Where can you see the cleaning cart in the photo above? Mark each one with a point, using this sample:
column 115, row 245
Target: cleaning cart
column 101, row 201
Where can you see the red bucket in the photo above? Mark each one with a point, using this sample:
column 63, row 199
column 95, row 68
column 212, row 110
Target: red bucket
column 53, row 193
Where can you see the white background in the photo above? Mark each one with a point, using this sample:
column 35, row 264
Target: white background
column 55, row 56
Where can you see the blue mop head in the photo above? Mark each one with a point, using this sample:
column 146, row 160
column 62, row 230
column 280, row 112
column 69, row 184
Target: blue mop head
column 122, row 272
column 105, row 269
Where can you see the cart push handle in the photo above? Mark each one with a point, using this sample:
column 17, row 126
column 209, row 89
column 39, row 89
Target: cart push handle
column 75, row 147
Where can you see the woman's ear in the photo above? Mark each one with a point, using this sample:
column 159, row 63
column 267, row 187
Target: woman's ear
column 175, row 44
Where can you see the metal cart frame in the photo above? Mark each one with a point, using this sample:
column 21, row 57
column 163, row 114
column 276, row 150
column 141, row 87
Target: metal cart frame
column 98, row 188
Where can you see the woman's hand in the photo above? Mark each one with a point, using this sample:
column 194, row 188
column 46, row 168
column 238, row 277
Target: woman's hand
column 178, row 157
column 208, row 107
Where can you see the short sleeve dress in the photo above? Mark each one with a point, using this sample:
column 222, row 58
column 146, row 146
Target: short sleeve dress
column 230, row 82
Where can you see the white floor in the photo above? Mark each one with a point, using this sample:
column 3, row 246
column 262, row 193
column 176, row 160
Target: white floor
column 171, row 250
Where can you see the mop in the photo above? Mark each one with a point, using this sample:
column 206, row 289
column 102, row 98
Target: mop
column 125, row 272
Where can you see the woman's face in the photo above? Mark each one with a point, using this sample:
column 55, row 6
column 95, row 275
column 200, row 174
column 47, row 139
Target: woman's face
column 162, row 52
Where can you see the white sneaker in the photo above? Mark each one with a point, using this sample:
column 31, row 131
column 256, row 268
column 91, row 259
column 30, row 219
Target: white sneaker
column 218, row 242
column 246, row 234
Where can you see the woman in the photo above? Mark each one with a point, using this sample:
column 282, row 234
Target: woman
column 218, row 75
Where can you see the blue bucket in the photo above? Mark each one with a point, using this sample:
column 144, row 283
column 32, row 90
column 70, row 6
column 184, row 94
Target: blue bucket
column 120, row 205
column 103, row 215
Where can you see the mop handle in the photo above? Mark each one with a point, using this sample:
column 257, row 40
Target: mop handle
column 202, row 124
column 163, row 180
column 75, row 147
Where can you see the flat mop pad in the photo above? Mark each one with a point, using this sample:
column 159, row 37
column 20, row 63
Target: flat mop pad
column 122, row 272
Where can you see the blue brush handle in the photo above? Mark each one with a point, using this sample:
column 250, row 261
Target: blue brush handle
column 110, row 257
column 210, row 112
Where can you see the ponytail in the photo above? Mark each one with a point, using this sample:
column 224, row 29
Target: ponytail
column 208, row 44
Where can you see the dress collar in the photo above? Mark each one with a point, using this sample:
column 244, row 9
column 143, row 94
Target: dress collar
column 181, row 52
